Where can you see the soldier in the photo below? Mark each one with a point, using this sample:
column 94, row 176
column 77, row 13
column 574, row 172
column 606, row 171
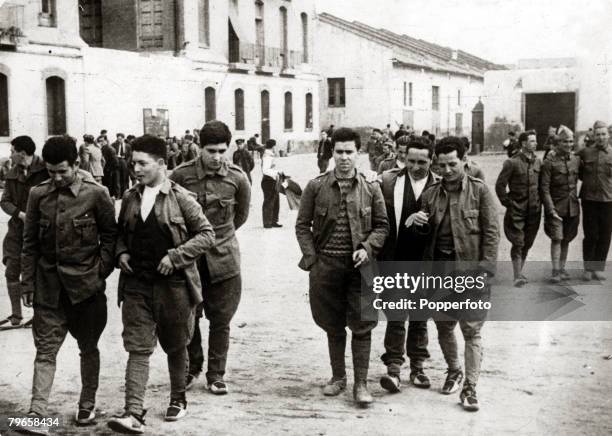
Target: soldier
column 596, row 194
column 402, row 189
column 521, row 176
column 28, row 170
column 398, row 161
column 243, row 159
column 460, row 212
column 68, row 252
column 374, row 148
column 324, row 152
column 224, row 192
column 341, row 225
column 162, row 233
column 386, row 158
column 560, row 198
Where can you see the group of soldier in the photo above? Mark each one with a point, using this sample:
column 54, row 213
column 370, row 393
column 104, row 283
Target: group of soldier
column 175, row 245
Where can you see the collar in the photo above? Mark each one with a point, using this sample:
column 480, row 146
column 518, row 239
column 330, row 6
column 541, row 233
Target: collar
column 605, row 149
column 202, row 171
column 461, row 185
column 527, row 157
column 165, row 187
column 74, row 187
column 331, row 178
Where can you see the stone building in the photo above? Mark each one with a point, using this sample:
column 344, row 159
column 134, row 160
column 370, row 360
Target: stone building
column 373, row 77
column 539, row 93
column 160, row 66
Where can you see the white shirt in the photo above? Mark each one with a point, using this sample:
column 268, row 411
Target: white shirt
column 148, row 200
column 398, row 200
column 418, row 186
column 268, row 164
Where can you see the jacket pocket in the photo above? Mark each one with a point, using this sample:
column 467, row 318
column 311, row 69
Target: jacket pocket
column 471, row 220
column 87, row 230
column 366, row 219
column 178, row 223
column 43, row 228
column 319, row 217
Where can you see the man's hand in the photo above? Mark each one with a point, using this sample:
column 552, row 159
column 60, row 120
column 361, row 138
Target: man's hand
column 419, row 218
column 360, row 257
column 556, row 216
column 165, row 267
column 124, row 263
column 22, row 216
column 27, row 298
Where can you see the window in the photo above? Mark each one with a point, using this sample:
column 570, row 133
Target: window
column 210, row 104
column 304, row 37
column 47, row 13
column 458, row 124
column 284, row 35
column 90, row 22
column 405, row 93
column 204, row 23
column 239, row 108
column 435, row 98
column 56, row 106
column 410, row 94
column 151, row 24
column 288, row 111
column 259, row 33
column 458, row 97
column 336, row 92
column 309, row 122
column 4, row 106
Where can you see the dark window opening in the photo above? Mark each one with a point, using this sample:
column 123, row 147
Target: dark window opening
column 56, row 106
column 210, row 104
column 4, row 106
column 309, row 121
column 288, row 111
column 239, row 108
column 336, row 90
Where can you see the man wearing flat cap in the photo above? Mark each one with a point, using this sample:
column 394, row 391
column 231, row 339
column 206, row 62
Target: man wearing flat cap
column 558, row 187
column 596, row 195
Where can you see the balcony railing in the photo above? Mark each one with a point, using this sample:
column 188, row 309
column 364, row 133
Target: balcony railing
column 264, row 56
column 11, row 24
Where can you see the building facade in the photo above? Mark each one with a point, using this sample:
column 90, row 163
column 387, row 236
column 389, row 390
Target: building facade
column 541, row 93
column 373, row 77
column 158, row 66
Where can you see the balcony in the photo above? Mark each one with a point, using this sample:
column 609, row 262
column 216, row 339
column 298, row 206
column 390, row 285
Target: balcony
column 266, row 59
column 11, row 25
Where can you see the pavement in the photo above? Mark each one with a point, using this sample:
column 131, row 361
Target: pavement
column 537, row 378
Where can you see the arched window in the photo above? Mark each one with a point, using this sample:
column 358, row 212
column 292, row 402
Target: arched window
column 304, row 37
column 204, row 23
column 239, row 108
column 56, row 106
column 309, row 122
column 4, row 106
column 210, row 104
column 288, row 111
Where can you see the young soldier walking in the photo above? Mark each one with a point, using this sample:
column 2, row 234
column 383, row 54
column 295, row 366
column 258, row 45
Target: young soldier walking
column 596, row 196
column 461, row 214
column 162, row 233
column 341, row 225
column 224, row 192
column 517, row 188
column 402, row 190
column 28, row 170
column 68, row 252
column 560, row 197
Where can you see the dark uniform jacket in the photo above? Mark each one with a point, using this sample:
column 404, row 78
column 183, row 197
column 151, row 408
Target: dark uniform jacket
column 225, row 197
column 387, row 164
column 319, row 207
column 413, row 243
column 15, row 199
column 244, row 160
column 558, row 185
column 521, row 175
column 596, row 173
column 380, row 159
column 177, row 211
column 325, row 149
column 473, row 218
column 68, row 240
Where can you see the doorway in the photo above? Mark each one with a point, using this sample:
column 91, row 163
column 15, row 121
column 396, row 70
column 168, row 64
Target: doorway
column 543, row 110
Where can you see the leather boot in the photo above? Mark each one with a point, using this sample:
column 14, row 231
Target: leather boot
column 361, row 360
column 14, row 291
column 337, row 349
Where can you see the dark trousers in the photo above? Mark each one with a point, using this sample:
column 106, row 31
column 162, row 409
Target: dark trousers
column 521, row 231
column 597, row 226
column 415, row 345
column 124, row 176
column 336, row 302
column 151, row 312
column 271, row 201
column 85, row 321
column 220, row 304
column 12, row 273
column 322, row 164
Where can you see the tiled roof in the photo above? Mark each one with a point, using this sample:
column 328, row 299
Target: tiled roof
column 417, row 53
